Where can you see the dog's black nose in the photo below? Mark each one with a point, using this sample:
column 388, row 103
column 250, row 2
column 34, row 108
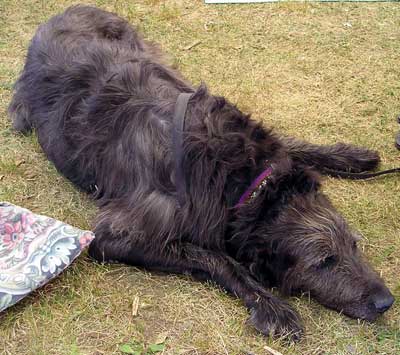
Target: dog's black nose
column 382, row 302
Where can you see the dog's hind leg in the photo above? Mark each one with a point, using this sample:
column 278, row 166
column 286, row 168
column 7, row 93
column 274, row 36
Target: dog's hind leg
column 340, row 156
column 19, row 115
column 19, row 109
column 269, row 314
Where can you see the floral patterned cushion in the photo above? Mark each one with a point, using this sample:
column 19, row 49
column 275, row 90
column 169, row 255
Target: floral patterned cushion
column 33, row 250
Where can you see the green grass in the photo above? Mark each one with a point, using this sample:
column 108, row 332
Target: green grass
column 322, row 72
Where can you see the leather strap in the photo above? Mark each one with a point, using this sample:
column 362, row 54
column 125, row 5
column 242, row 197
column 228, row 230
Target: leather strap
column 359, row 176
column 177, row 141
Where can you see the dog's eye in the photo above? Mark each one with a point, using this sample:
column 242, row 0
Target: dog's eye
column 354, row 245
column 328, row 262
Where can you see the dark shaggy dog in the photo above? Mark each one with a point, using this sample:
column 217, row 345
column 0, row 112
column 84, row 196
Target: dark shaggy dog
column 102, row 102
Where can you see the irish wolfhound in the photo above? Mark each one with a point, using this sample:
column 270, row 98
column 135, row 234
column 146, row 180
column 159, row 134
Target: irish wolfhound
column 187, row 183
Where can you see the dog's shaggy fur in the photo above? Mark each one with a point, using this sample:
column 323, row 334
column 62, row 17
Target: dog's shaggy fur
column 101, row 100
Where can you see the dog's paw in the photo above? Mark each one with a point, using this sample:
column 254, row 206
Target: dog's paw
column 277, row 319
column 354, row 159
column 365, row 160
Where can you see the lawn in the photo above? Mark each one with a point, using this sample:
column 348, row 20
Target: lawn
column 323, row 72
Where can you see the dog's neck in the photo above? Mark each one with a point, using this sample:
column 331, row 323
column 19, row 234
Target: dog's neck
column 258, row 184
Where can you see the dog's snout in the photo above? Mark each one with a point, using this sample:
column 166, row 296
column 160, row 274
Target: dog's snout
column 382, row 301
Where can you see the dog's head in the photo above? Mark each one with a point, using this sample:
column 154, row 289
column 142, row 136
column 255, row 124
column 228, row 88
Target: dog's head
column 314, row 250
column 310, row 248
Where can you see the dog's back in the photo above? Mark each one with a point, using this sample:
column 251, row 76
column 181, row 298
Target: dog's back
column 80, row 38
column 81, row 65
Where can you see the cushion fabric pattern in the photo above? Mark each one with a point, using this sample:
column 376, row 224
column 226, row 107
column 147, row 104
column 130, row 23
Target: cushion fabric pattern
column 33, row 250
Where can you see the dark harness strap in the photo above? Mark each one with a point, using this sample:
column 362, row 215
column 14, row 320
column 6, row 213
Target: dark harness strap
column 177, row 142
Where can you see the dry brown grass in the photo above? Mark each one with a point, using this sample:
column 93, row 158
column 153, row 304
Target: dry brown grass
column 323, row 72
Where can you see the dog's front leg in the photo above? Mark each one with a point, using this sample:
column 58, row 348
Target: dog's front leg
column 340, row 156
column 269, row 314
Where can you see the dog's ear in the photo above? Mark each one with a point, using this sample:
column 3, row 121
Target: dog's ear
column 269, row 266
column 305, row 180
column 300, row 180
